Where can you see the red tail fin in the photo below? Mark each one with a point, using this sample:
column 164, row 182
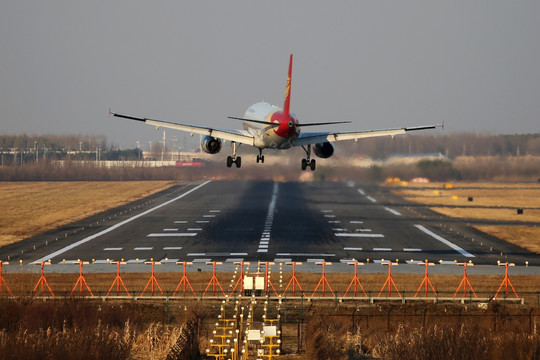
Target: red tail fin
column 287, row 103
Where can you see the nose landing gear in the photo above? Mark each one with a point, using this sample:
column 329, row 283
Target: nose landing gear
column 260, row 157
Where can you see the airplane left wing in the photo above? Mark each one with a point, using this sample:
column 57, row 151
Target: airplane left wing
column 239, row 136
column 321, row 137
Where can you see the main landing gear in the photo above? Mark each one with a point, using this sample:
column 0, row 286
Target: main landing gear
column 308, row 161
column 234, row 159
column 260, row 157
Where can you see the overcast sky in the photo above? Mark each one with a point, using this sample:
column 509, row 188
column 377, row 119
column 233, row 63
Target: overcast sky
column 473, row 64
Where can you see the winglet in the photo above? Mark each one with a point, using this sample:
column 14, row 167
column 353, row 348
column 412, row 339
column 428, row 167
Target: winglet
column 287, row 103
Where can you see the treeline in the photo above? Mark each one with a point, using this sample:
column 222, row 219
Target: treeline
column 450, row 145
column 24, row 149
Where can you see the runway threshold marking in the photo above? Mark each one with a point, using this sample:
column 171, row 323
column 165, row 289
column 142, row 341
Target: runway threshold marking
column 444, row 241
column 120, row 224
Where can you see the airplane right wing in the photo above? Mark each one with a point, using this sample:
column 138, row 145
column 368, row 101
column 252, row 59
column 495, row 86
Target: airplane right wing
column 321, row 137
column 239, row 136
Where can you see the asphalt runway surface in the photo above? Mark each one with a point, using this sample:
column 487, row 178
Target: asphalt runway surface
column 241, row 220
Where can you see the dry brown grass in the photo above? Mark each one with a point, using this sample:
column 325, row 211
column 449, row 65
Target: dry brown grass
column 31, row 208
column 504, row 199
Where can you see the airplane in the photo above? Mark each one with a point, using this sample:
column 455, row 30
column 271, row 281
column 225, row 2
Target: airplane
column 267, row 126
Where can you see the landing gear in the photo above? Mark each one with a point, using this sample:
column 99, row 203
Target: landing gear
column 312, row 164
column 308, row 161
column 234, row 159
column 260, row 157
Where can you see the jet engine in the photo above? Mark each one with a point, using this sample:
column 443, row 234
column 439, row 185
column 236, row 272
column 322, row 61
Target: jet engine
column 324, row 150
column 210, row 144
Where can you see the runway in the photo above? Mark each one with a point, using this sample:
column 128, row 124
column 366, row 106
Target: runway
column 232, row 221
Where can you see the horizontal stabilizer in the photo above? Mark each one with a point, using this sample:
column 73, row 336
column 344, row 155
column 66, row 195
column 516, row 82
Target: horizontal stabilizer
column 324, row 123
column 255, row 121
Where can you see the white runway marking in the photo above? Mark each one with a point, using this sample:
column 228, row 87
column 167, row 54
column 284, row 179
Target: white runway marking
column 143, row 248
column 304, row 254
column 172, row 248
column 170, row 229
column 112, row 249
column 265, row 237
column 171, row 235
column 214, row 211
column 194, row 229
column 202, row 222
column 359, row 235
column 180, row 222
column 116, row 226
column 373, row 200
column 101, row 262
column 382, row 249
column 444, row 241
column 362, row 192
column 136, row 261
column 282, row 260
column 209, row 216
column 412, row 250
column 356, row 222
column 352, row 249
column 392, row 211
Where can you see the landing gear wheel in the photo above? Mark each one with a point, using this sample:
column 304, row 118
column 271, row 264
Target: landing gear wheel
column 238, row 161
column 229, row 161
column 260, row 158
column 304, row 164
column 312, row 165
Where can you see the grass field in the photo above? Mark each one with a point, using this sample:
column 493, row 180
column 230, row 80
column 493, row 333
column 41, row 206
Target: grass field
column 485, row 201
column 32, row 208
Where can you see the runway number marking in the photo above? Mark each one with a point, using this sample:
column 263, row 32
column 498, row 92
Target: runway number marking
column 120, row 224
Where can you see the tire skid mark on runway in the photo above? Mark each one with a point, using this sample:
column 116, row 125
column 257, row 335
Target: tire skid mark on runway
column 120, row 224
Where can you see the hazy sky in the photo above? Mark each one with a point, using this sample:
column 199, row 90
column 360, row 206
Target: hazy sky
column 473, row 64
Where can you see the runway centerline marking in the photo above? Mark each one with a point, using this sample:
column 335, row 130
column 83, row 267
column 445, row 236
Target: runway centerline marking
column 265, row 236
column 120, row 224
column 444, row 241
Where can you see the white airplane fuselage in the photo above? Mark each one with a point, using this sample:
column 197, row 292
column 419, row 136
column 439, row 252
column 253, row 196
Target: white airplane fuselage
column 273, row 137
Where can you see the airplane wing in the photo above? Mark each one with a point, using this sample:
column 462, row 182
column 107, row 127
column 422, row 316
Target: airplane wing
column 239, row 136
column 321, row 137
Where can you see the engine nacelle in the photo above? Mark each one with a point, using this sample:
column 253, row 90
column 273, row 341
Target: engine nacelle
column 324, row 150
column 210, row 144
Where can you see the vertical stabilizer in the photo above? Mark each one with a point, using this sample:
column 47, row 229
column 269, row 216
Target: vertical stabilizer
column 287, row 103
